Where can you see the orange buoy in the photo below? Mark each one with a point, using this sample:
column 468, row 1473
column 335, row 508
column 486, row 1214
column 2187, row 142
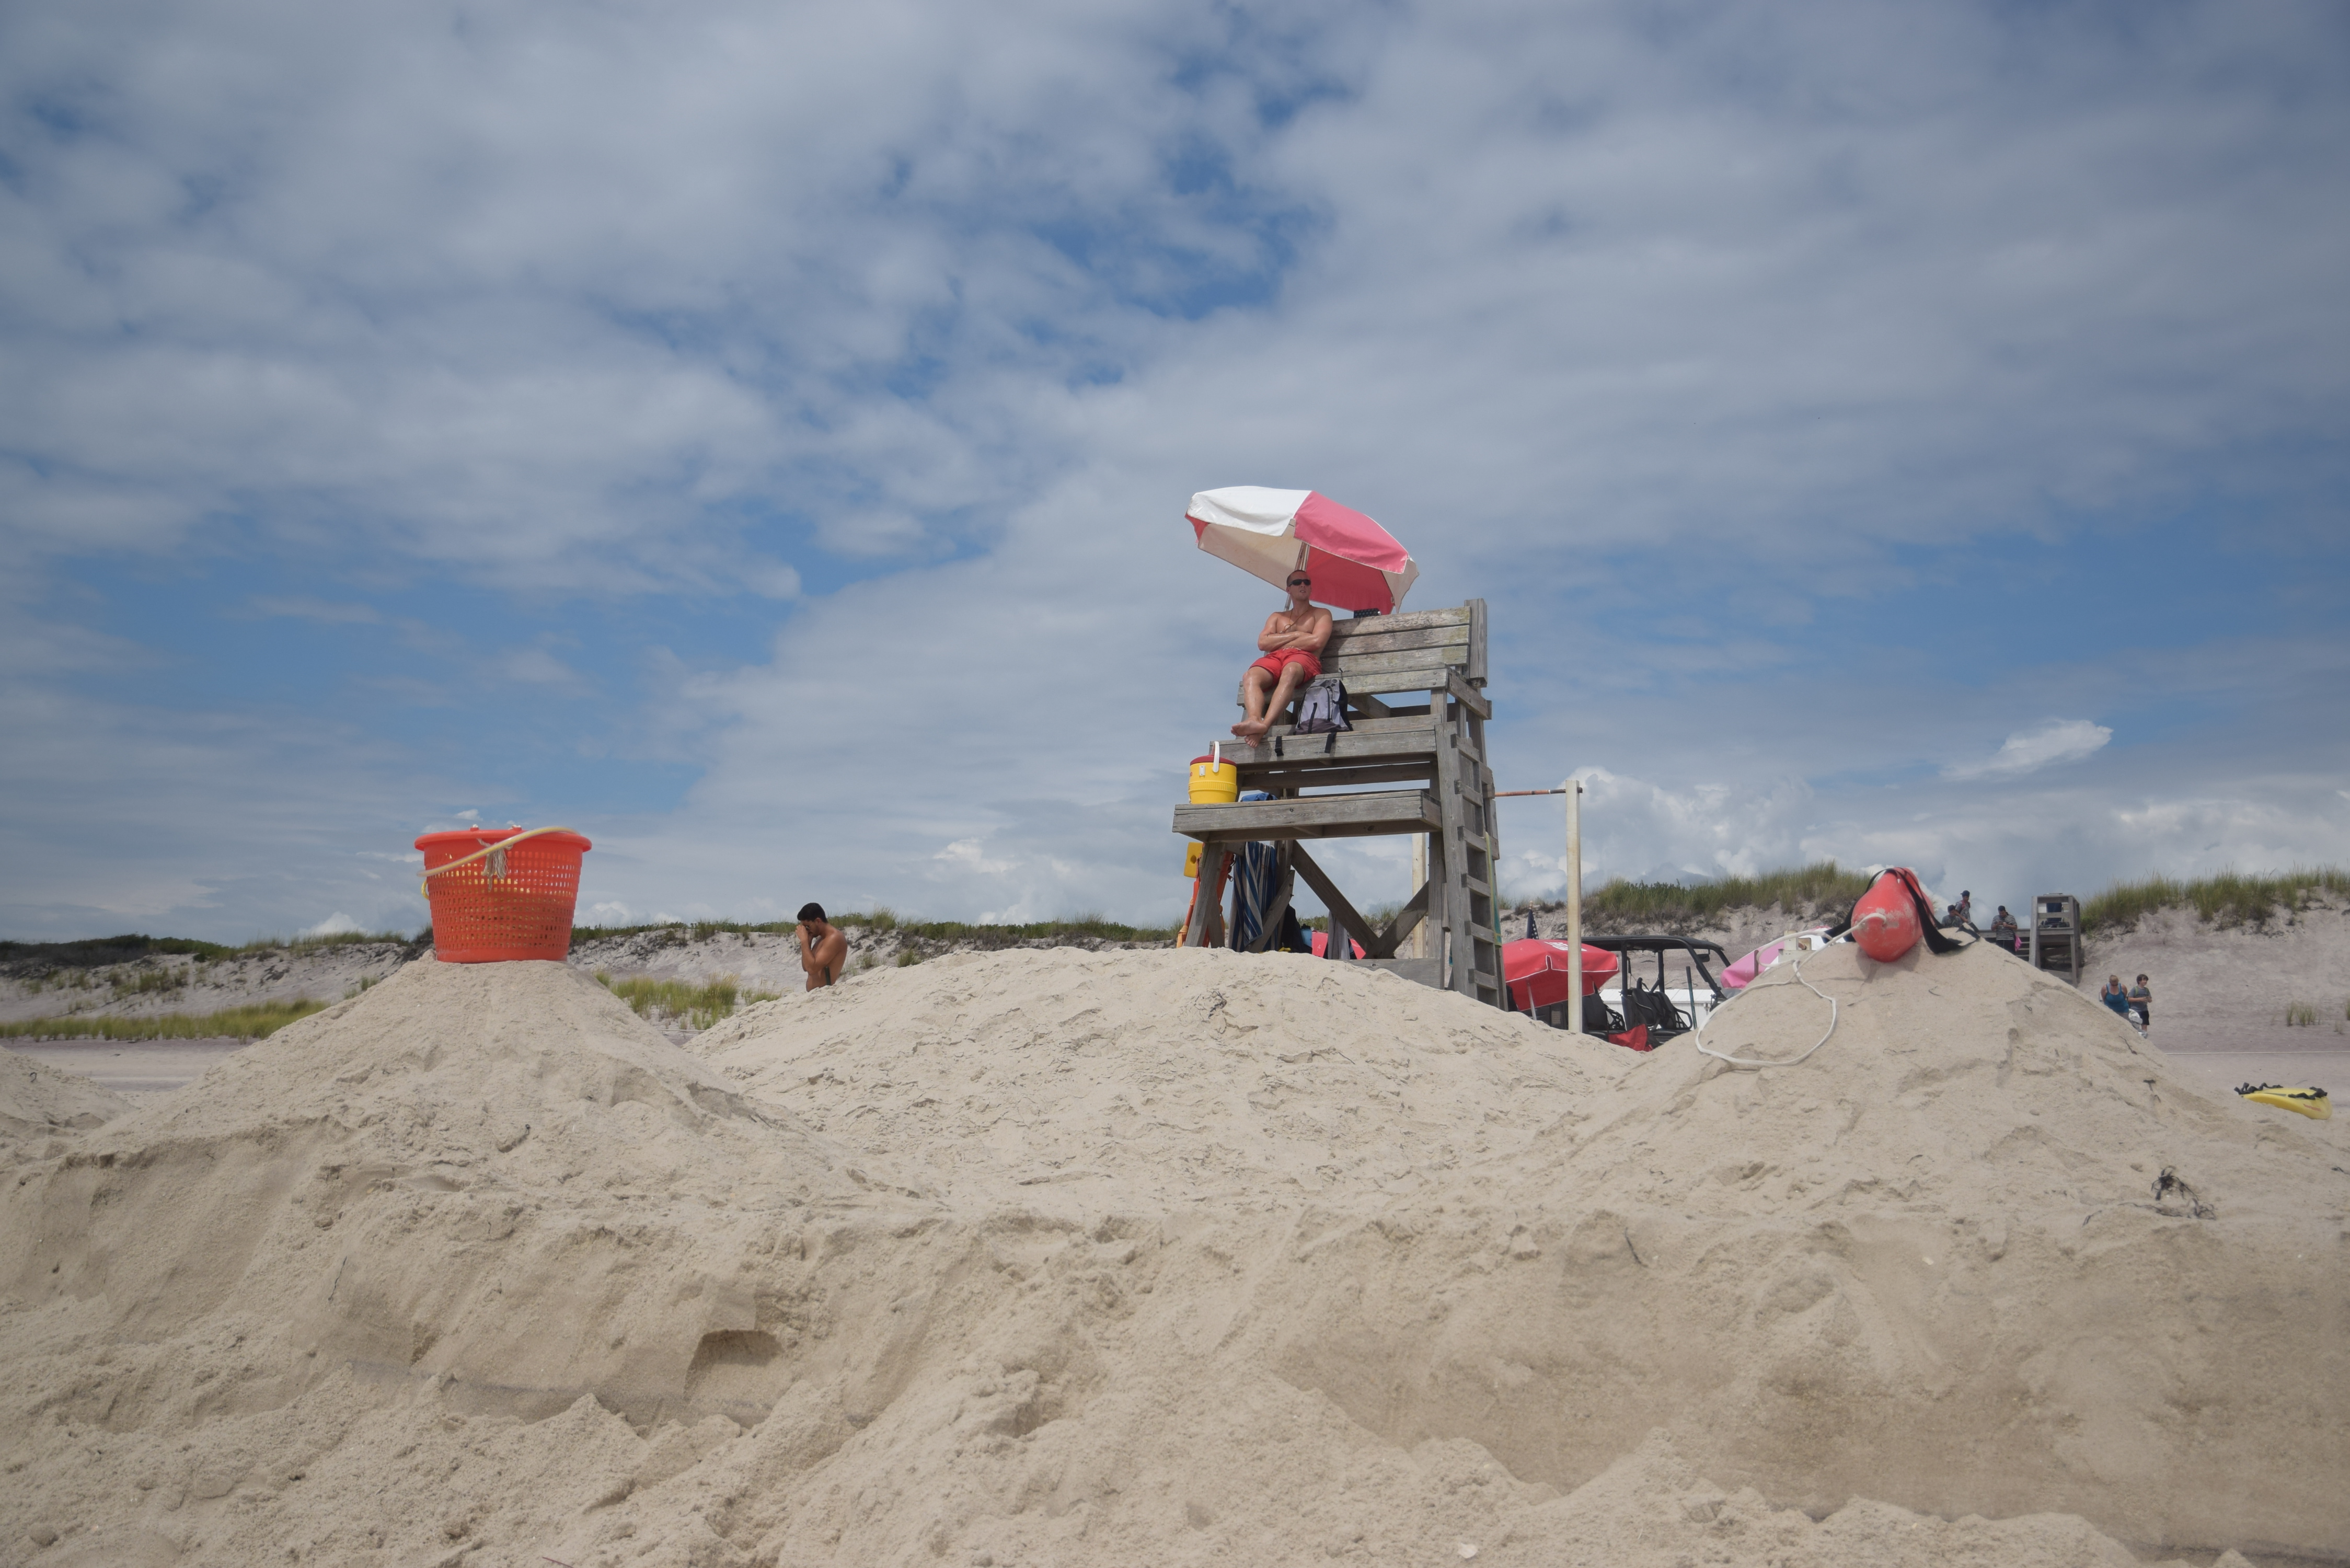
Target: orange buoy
column 1885, row 921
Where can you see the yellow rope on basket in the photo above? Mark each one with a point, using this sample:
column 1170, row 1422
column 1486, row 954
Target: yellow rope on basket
column 424, row 890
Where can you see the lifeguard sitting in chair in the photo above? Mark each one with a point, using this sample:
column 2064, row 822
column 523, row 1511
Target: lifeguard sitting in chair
column 1292, row 642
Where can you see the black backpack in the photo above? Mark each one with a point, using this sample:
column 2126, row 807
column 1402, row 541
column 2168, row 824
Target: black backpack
column 1321, row 710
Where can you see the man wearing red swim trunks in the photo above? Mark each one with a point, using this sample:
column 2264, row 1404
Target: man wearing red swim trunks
column 1292, row 645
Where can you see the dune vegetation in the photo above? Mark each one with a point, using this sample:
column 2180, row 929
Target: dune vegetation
column 696, row 1006
column 256, row 1021
column 2229, row 898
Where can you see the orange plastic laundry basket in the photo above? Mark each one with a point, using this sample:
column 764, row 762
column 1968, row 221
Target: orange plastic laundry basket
column 508, row 904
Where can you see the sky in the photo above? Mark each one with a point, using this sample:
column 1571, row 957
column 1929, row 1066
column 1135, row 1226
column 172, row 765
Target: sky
column 758, row 437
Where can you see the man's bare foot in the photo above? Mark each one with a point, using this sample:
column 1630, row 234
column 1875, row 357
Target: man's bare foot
column 1251, row 729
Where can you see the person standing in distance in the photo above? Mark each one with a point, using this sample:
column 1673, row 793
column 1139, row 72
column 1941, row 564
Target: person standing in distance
column 824, row 947
column 2115, row 996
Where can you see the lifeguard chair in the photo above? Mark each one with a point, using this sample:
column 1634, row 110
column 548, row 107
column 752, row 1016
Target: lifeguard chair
column 1415, row 697
column 2056, row 934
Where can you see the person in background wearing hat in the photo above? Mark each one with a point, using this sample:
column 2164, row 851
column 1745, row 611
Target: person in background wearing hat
column 824, row 947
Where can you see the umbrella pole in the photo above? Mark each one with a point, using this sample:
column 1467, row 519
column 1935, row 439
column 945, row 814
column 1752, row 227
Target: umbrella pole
column 1573, row 789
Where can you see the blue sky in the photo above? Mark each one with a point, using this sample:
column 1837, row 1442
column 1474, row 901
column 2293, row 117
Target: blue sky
column 1909, row 434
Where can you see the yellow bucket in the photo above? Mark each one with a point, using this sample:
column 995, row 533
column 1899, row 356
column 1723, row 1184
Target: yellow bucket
column 1215, row 783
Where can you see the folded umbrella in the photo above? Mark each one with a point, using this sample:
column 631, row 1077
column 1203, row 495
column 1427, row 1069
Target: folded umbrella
column 1355, row 565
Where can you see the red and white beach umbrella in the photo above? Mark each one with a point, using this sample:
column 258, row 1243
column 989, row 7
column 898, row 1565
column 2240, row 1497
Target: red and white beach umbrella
column 1355, row 565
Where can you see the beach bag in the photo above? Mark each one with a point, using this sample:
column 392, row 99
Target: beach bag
column 1321, row 710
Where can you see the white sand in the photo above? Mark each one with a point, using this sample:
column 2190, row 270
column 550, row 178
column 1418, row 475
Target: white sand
column 138, row 1070
column 1084, row 1082
column 39, row 1102
column 1175, row 1257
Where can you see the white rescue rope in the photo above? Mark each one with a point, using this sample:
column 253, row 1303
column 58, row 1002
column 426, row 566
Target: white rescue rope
column 1698, row 1038
column 497, row 864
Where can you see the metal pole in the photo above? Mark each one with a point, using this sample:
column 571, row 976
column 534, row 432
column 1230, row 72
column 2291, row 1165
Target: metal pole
column 1573, row 790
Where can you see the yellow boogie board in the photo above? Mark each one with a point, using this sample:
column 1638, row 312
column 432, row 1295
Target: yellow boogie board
column 2310, row 1103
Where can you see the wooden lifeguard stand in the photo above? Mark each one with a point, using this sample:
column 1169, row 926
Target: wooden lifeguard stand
column 1435, row 744
column 2056, row 934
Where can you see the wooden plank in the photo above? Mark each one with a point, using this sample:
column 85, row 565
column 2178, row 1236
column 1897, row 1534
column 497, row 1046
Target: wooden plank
column 1438, row 920
column 1409, row 620
column 1346, row 921
column 1346, row 666
column 1458, row 918
column 1369, row 724
column 1356, row 746
column 1373, row 683
column 1208, row 892
column 1395, row 932
column 1297, row 775
column 1313, row 817
column 1462, row 692
column 1424, row 972
column 1443, row 864
column 1476, row 608
column 1396, row 641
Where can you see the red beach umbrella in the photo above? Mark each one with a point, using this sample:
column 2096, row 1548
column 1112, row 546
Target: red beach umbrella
column 1355, row 565
column 1535, row 970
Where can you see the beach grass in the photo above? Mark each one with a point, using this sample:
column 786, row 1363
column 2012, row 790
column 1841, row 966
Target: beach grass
column 1821, row 885
column 256, row 1021
column 699, row 1006
column 98, row 951
column 2229, row 898
column 332, row 939
column 883, row 918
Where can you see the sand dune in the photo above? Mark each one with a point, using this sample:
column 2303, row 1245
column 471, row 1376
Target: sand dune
column 1156, row 1257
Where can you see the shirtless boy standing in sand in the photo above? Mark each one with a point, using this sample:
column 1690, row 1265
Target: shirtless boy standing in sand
column 824, row 947
column 1292, row 645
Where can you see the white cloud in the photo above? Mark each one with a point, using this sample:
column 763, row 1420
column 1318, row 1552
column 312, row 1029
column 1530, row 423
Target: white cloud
column 1643, row 832
column 2029, row 751
column 538, row 666
column 743, row 298
column 965, row 855
column 334, row 925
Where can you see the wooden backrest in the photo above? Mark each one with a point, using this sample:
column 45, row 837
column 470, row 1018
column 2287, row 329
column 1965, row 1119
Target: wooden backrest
column 1414, row 652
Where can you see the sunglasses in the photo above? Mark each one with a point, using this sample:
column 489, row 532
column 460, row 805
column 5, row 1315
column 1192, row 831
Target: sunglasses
column 1301, row 582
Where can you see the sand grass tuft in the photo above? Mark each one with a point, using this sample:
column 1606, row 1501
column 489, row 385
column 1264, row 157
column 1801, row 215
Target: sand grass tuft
column 2229, row 899
column 256, row 1021
column 1821, row 886
column 883, row 918
column 697, row 1007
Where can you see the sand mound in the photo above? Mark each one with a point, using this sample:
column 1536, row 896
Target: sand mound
column 477, row 1268
column 1124, row 1081
column 1986, row 1252
column 38, row 1102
